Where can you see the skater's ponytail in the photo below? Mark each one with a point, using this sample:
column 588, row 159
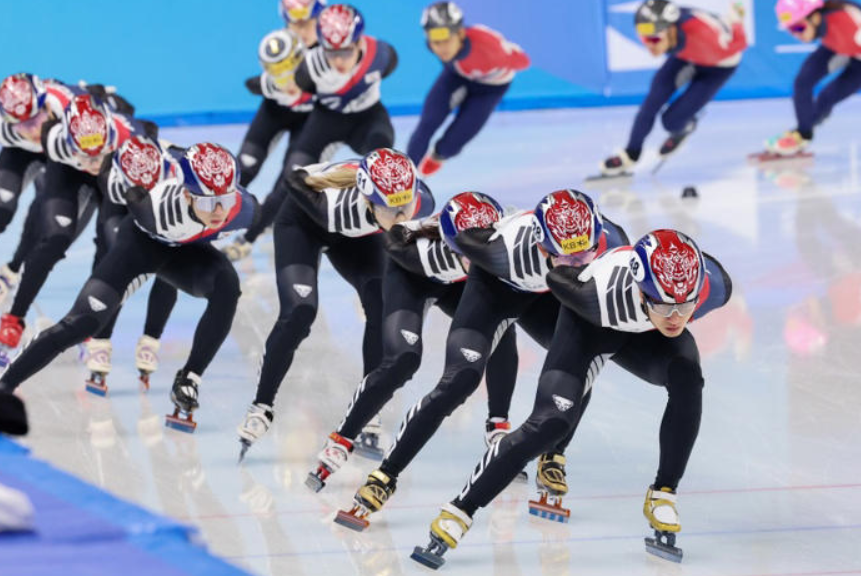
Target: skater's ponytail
column 342, row 177
column 428, row 229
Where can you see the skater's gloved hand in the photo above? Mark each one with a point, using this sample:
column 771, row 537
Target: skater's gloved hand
column 253, row 85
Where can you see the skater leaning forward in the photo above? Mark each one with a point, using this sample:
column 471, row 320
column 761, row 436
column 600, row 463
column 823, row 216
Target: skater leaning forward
column 167, row 232
column 631, row 306
column 703, row 51
column 837, row 26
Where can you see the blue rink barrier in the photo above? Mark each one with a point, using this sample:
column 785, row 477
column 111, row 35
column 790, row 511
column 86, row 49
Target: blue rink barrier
column 82, row 530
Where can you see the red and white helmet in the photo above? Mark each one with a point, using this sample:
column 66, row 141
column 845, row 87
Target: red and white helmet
column 22, row 96
column 464, row 211
column 668, row 267
column 300, row 10
column 790, row 12
column 387, row 178
column 209, row 170
column 89, row 126
column 568, row 222
column 339, row 26
column 139, row 162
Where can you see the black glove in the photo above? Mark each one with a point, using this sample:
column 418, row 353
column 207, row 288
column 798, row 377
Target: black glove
column 253, row 85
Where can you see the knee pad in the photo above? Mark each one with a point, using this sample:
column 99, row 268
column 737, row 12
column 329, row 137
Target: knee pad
column 94, row 307
column 251, row 157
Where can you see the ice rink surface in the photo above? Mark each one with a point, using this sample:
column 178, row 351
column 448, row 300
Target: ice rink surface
column 774, row 484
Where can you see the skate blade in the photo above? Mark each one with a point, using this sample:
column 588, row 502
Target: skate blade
column 96, row 388
column 181, row 424
column 661, row 550
column 245, row 446
column 548, row 512
column 607, row 178
column 143, row 380
column 426, row 558
column 349, row 520
column 369, row 452
column 775, row 157
column 314, row 482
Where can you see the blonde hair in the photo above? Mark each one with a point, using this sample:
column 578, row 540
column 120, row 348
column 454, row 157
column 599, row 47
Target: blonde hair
column 343, row 177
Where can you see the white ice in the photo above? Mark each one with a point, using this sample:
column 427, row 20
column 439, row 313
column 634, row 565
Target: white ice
column 774, row 484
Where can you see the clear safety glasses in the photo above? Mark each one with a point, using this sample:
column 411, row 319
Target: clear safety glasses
column 666, row 310
column 210, row 203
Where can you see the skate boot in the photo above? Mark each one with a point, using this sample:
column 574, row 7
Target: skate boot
column 674, row 141
column 783, row 147
column 238, row 249
column 146, row 359
column 99, row 364
column 8, row 282
column 616, row 166
column 257, row 421
column 660, row 510
column 333, row 455
column 11, row 329
column 446, row 532
column 370, row 498
column 368, row 443
column 184, row 397
column 429, row 165
column 494, row 430
column 552, row 486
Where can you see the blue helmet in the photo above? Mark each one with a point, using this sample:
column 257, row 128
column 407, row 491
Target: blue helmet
column 464, row 211
column 668, row 267
column 300, row 10
column 568, row 223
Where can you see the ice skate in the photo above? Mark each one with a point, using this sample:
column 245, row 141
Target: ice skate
column 617, row 166
column 446, row 531
column 370, row 498
column 8, row 282
column 552, row 486
column 333, row 455
column 494, row 430
column 368, row 443
column 787, row 146
column 429, row 165
column 660, row 510
column 99, row 364
column 257, row 421
column 673, row 143
column 146, row 359
column 238, row 249
column 184, row 397
column 11, row 329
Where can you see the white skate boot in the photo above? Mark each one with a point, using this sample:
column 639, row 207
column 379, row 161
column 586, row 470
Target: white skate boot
column 8, row 282
column 334, row 454
column 369, row 441
column 257, row 421
column 446, row 531
column 146, row 358
column 99, row 364
column 660, row 510
column 495, row 429
column 617, row 166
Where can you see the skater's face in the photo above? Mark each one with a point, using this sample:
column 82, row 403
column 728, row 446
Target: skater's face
column 31, row 130
column 91, row 164
column 805, row 30
column 388, row 217
column 673, row 325
column 212, row 211
column 306, row 30
column 577, row 259
column 659, row 43
column 344, row 59
column 445, row 43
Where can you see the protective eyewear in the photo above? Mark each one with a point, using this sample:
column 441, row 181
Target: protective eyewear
column 340, row 52
column 798, row 27
column 576, row 259
column 210, row 203
column 666, row 310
